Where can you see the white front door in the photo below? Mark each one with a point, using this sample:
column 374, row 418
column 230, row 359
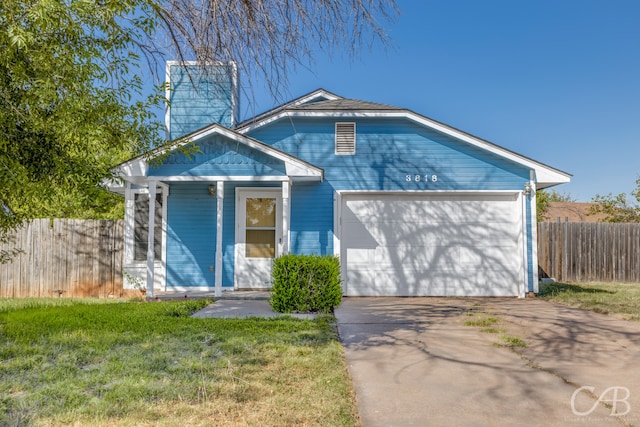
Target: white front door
column 258, row 236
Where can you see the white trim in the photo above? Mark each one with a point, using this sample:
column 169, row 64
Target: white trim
column 131, row 266
column 525, row 252
column 180, row 178
column 151, row 249
column 443, row 192
column 534, row 234
column 139, row 166
column 286, row 217
column 258, row 121
column 194, row 289
column 545, row 174
column 320, row 93
column 337, row 234
column 219, row 230
column 240, row 219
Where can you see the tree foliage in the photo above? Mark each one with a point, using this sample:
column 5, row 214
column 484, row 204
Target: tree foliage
column 70, row 80
column 618, row 208
column 68, row 101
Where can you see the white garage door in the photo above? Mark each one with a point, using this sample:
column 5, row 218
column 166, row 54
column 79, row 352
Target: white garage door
column 441, row 244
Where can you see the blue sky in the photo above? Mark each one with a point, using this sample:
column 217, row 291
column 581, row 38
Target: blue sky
column 557, row 81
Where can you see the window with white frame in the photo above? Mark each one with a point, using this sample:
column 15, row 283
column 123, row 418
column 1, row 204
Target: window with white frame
column 345, row 138
column 141, row 227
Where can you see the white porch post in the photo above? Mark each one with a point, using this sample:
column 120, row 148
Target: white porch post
column 218, row 268
column 286, row 214
column 151, row 238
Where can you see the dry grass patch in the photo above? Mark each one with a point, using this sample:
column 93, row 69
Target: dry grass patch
column 621, row 300
column 142, row 364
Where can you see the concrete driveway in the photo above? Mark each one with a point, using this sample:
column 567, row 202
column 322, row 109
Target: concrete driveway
column 414, row 361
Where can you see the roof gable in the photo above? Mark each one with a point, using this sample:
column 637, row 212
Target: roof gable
column 313, row 98
column 220, row 146
column 218, row 155
column 339, row 108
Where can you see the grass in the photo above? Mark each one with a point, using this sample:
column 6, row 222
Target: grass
column 616, row 299
column 67, row 362
column 482, row 321
column 488, row 324
column 510, row 341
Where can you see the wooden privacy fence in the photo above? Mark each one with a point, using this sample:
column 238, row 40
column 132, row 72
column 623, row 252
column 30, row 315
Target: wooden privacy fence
column 83, row 258
column 64, row 257
column 589, row 252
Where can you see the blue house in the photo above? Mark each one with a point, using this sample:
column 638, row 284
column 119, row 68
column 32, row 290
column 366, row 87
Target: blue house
column 410, row 205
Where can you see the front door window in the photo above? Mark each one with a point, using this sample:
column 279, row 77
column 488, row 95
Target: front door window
column 258, row 236
column 260, row 228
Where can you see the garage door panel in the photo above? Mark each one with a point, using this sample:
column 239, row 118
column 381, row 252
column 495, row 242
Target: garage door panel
column 445, row 234
column 430, row 211
column 417, row 257
column 490, row 258
column 457, row 282
column 360, row 257
column 431, row 245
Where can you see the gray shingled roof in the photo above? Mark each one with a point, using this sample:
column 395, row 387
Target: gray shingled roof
column 344, row 105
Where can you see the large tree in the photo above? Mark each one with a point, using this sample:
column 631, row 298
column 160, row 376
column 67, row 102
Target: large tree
column 69, row 106
column 70, row 80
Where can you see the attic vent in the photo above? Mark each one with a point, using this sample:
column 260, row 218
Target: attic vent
column 345, row 138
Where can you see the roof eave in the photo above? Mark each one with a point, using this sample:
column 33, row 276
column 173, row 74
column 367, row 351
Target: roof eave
column 545, row 174
column 136, row 170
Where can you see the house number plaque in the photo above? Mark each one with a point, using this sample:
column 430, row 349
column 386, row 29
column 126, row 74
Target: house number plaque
column 418, row 178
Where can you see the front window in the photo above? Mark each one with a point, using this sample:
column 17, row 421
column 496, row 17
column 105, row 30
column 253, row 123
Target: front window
column 141, row 227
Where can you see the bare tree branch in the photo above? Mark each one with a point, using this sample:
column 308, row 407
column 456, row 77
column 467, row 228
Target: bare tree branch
column 267, row 38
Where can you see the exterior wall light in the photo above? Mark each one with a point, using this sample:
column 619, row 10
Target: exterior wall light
column 212, row 190
column 527, row 189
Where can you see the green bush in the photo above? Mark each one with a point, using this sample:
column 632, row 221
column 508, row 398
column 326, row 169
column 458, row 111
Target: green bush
column 306, row 283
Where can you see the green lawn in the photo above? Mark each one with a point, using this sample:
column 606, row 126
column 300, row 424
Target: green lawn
column 134, row 363
column 617, row 299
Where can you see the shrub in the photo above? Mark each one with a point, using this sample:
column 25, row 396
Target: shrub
column 306, row 283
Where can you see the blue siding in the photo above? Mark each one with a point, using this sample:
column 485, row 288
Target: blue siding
column 389, row 150
column 386, row 152
column 207, row 97
column 312, row 218
column 191, row 235
column 219, row 156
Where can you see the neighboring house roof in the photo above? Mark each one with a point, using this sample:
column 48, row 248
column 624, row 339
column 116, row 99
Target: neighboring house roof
column 321, row 103
column 571, row 212
column 136, row 169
